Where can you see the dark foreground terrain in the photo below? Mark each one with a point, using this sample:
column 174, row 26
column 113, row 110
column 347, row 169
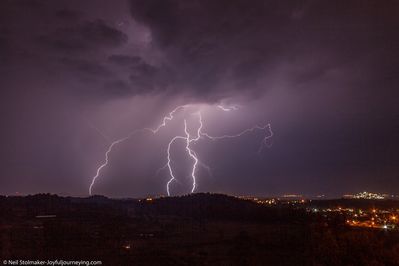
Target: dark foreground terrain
column 200, row 229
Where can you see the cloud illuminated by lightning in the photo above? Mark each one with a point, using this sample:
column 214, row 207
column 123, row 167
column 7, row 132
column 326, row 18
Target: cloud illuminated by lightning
column 188, row 140
column 228, row 108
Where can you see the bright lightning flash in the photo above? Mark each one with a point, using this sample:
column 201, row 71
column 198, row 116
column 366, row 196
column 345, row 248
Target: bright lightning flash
column 188, row 140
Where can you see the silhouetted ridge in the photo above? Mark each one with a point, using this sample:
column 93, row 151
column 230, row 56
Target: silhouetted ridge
column 210, row 206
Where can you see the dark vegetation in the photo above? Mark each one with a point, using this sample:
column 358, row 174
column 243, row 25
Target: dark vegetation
column 200, row 229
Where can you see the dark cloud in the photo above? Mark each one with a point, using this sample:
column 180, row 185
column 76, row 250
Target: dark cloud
column 85, row 67
column 85, row 37
column 143, row 78
column 125, row 60
column 119, row 88
column 3, row 47
column 67, row 14
column 35, row 4
column 209, row 42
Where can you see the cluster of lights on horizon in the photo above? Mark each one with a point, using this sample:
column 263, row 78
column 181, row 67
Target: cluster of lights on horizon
column 188, row 141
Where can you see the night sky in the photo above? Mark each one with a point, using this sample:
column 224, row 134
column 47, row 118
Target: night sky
column 76, row 75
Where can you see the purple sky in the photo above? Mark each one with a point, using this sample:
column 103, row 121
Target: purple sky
column 323, row 73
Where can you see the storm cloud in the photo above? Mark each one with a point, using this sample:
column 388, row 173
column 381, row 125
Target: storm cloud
column 235, row 47
column 76, row 75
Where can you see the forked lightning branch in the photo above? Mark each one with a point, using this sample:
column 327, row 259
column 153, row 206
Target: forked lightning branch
column 188, row 140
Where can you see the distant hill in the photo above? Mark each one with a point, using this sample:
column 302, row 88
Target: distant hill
column 201, row 206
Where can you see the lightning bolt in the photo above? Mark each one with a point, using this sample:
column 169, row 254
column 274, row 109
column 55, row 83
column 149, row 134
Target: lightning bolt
column 188, row 141
column 257, row 127
column 192, row 153
column 194, row 156
column 168, row 164
column 105, row 162
column 168, row 117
